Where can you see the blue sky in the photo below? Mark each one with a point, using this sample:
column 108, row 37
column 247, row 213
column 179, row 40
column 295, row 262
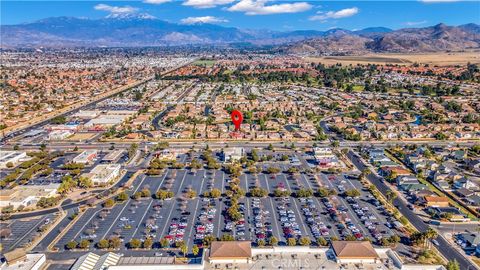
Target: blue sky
column 259, row 14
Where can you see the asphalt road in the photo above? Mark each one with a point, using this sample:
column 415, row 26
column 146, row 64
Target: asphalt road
column 156, row 120
column 445, row 248
column 222, row 144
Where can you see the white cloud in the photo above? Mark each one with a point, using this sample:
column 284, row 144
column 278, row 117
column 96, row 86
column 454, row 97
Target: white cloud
column 204, row 19
column 206, row 3
column 156, row 2
column 415, row 23
column 344, row 13
column 258, row 7
column 115, row 9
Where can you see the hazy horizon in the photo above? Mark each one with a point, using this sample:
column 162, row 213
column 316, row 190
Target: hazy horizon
column 248, row 14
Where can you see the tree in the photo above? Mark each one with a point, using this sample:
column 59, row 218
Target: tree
column 137, row 195
column 227, row 237
column 84, row 244
column 273, row 170
column 417, row 238
column 430, row 234
column 191, row 194
column 453, row 265
column 164, row 194
column 43, row 147
column 281, row 193
column 322, row 242
column 103, row 244
column 148, row 243
column 335, row 144
column 135, row 243
column 304, row 193
column 291, row 241
column 108, row 203
column 395, row 239
column 258, row 192
column 68, row 183
column 391, row 196
column 234, row 169
column 292, row 170
column 208, row 239
column 179, row 243
column 254, row 155
column 132, row 150
column 385, row 242
column 403, row 220
column 122, row 197
column 161, row 146
column 261, row 243
column 164, row 243
column 195, row 250
column 363, row 174
column 350, row 238
column 9, row 164
column 195, row 164
column 146, row 192
column 71, row 244
column 352, row 193
column 214, row 193
column 273, row 241
column 85, row 182
column 184, row 249
column 115, row 243
column 304, row 241
column 325, row 192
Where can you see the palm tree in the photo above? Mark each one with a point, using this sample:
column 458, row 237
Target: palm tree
column 363, row 174
column 184, row 250
column 430, row 234
column 391, row 195
column 335, row 144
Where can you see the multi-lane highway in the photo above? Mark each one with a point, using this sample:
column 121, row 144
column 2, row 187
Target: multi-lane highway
column 232, row 143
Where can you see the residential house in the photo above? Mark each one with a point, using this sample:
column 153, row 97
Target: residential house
column 434, row 201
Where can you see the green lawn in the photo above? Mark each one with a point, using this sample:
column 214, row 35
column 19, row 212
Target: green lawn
column 207, row 63
column 358, row 88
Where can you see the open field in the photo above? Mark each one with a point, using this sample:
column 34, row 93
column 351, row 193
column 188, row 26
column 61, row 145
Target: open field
column 440, row 59
column 82, row 136
column 207, row 63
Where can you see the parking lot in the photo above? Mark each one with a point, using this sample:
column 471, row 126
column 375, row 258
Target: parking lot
column 190, row 220
column 19, row 233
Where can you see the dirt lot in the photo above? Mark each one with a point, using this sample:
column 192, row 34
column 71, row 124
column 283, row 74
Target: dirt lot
column 440, row 59
column 81, row 136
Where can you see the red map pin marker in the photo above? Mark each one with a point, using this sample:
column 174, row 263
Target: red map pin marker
column 237, row 119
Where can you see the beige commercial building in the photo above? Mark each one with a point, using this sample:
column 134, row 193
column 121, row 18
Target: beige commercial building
column 26, row 196
column 230, row 252
column 103, row 174
column 354, row 252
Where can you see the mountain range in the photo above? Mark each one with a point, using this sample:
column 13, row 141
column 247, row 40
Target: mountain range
column 139, row 31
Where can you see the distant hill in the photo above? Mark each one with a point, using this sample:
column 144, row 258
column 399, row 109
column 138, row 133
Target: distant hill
column 429, row 39
column 139, row 30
